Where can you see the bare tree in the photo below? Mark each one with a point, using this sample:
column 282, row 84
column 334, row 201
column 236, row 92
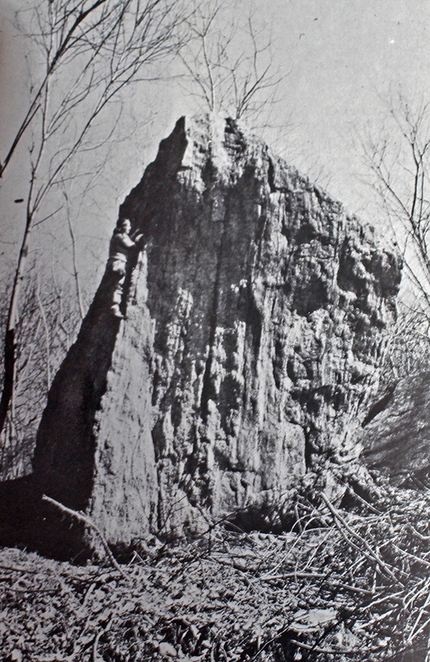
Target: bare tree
column 398, row 159
column 92, row 50
column 407, row 350
column 229, row 61
column 44, row 332
column 399, row 162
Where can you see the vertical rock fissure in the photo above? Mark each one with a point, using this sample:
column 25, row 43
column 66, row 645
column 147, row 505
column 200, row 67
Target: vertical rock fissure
column 207, row 390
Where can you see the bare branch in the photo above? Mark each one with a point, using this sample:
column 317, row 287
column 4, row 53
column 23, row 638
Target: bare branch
column 229, row 65
column 93, row 50
column 400, row 166
column 88, row 522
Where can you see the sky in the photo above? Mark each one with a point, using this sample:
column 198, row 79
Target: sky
column 341, row 60
column 347, row 56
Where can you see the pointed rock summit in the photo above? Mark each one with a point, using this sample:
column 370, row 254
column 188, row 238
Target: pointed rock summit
column 254, row 324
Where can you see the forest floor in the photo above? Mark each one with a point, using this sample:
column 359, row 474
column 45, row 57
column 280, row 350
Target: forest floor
column 342, row 585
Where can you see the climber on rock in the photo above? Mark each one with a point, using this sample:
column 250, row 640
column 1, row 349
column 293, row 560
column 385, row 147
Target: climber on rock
column 119, row 249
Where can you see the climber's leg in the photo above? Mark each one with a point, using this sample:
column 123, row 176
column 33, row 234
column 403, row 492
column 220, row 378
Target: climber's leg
column 118, row 270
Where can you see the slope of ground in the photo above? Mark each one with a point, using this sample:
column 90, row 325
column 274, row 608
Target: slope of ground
column 341, row 585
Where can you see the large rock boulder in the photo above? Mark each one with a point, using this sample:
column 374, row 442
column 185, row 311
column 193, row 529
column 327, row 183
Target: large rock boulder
column 255, row 322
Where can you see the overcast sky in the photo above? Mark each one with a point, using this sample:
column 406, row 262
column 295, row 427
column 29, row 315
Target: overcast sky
column 347, row 55
column 341, row 59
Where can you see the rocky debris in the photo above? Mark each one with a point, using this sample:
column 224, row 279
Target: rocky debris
column 321, row 592
column 396, row 431
column 255, row 323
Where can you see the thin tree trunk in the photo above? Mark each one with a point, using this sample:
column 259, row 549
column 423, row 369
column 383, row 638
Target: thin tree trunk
column 75, row 266
column 9, row 352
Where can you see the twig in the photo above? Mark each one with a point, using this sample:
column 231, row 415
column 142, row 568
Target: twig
column 95, row 656
column 412, row 556
column 237, row 567
column 363, row 501
column 15, row 568
column 289, row 575
column 327, row 651
column 88, row 592
column 377, row 619
column 417, row 620
column 31, row 590
column 353, row 589
column 416, row 592
column 339, row 519
column 314, row 575
column 86, row 520
column 417, row 632
column 270, row 641
column 417, row 533
column 380, row 600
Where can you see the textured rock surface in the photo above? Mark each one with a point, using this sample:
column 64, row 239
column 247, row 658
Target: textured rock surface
column 124, row 477
column 255, row 322
column 396, row 433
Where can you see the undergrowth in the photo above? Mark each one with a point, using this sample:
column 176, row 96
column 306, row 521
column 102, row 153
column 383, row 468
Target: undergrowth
column 341, row 585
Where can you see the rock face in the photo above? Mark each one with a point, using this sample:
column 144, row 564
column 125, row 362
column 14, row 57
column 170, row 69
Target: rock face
column 255, row 321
